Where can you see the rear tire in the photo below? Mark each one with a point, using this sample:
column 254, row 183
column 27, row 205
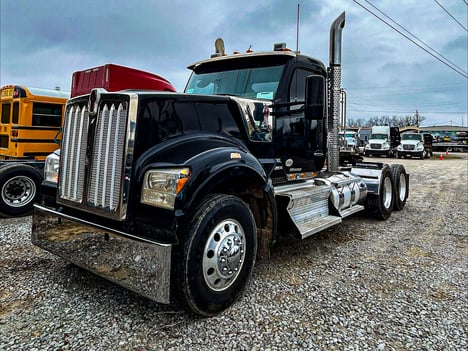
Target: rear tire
column 19, row 189
column 380, row 206
column 400, row 186
column 217, row 256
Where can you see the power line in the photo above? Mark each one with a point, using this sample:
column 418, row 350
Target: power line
column 414, row 88
column 443, row 8
column 399, row 112
column 453, row 66
column 414, row 36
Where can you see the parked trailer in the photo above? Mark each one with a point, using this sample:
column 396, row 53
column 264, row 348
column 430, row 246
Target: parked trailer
column 179, row 193
column 450, row 146
column 113, row 77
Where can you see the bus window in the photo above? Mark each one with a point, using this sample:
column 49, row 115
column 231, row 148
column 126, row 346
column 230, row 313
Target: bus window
column 6, row 113
column 15, row 117
column 47, row 115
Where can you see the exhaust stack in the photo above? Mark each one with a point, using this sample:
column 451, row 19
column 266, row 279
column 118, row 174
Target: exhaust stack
column 334, row 86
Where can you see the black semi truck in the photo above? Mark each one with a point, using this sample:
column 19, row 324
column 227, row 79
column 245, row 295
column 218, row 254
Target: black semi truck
column 175, row 195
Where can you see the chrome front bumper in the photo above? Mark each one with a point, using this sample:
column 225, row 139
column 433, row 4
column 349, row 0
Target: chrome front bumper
column 141, row 265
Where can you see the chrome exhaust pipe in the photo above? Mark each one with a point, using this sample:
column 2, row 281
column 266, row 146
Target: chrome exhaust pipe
column 334, row 92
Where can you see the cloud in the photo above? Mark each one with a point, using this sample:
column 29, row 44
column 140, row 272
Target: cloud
column 43, row 42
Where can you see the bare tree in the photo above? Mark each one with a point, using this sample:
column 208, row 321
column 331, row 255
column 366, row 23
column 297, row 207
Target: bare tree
column 394, row 121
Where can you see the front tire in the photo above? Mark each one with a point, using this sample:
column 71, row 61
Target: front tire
column 19, row 189
column 218, row 254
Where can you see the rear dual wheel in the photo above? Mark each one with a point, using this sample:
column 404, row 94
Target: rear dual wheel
column 380, row 205
column 400, row 186
column 393, row 192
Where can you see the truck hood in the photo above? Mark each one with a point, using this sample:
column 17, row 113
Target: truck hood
column 378, row 141
column 411, row 142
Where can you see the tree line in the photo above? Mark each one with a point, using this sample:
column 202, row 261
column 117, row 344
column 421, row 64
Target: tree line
column 395, row 121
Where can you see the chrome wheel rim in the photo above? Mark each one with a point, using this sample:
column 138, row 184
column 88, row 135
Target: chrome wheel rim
column 402, row 188
column 224, row 255
column 387, row 192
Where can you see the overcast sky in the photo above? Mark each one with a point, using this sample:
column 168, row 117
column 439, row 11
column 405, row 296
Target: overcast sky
column 44, row 41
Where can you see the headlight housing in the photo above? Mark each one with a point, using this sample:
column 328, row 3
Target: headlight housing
column 400, row 147
column 161, row 186
column 51, row 168
column 385, row 146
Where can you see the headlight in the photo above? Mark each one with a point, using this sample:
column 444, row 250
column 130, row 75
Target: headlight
column 51, row 168
column 385, row 146
column 161, row 186
column 399, row 147
column 420, row 147
column 367, row 147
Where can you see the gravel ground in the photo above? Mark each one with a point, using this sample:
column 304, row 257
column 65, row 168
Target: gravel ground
column 399, row 284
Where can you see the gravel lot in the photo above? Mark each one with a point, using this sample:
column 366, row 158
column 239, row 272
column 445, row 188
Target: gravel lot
column 400, row 284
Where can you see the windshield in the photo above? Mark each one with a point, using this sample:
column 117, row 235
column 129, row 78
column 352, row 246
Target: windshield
column 378, row 136
column 411, row 137
column 257, row 83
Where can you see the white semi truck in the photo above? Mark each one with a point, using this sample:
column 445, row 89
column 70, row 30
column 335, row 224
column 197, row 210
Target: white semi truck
column 383, row 141
column 415, row 145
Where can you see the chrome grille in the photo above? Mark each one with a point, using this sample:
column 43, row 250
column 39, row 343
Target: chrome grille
column 376, row 146
column 95, row 156
column 408, row 147
column 73, row 154
column 107, row 157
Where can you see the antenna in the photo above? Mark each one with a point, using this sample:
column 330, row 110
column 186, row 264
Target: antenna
column 297, row 29
column 297, row 47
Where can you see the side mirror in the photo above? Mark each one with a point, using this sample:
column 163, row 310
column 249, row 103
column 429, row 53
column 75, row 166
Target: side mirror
column 315, row 98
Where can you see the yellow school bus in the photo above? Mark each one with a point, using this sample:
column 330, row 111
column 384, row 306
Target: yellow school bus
column 30, row 119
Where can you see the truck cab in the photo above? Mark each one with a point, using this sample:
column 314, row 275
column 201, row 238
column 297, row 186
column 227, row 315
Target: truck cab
column 415, row 145
column 273, row 88
column 383, row 141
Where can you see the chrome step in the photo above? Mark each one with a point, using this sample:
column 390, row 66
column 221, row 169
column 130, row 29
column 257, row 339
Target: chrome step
column 351, row 210
column 308, row 206
column 317, row 225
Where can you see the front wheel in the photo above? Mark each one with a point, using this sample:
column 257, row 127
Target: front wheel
column 19, row 189
column 218, row 254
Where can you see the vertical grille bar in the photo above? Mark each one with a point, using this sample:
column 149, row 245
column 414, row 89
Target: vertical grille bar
column 73, row 153
column 64, row 151
column 106, row 156
column 114, row 157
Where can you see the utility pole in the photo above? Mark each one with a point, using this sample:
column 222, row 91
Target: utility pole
column 417, row 118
